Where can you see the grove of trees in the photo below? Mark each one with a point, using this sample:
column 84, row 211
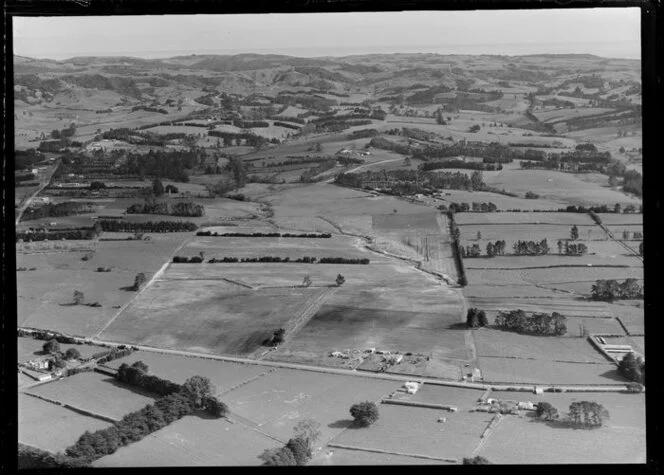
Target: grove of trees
column 476, row 318
column 611, row 289
column 541, row 324
column 364, row 413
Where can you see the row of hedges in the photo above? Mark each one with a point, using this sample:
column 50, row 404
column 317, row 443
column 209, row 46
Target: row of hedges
column 55, row 210
column 79, row 234
column 300, row 260
column 148, row 227
column 285, row 235
column 183, row 208
column 114, row 354
column 33, row 458
column 456, row 249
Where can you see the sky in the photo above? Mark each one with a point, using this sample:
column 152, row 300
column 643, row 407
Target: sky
column 607, row 32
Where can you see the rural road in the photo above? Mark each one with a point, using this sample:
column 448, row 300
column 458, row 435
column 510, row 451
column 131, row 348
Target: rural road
column 352, row 170
column 365, row 374
column 44, row 184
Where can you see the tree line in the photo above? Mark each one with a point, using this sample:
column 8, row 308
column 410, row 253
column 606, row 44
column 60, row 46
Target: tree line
column 194, row 395
column 53, row 210
column 271, row 259
column 459, row 164
column 541, row 324
column 183, row 208
column 67, row 235
column 580, row 413
column 284, row 235
column 111, row 225
column 610, row 289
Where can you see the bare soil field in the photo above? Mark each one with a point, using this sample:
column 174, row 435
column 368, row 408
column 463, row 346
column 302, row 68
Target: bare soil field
column 193, row 441
column 224, row 317
column 279, row 400
column 51, row 427
column 416, row 430
column 223, row 375
column 526, row 441
column 95, row 392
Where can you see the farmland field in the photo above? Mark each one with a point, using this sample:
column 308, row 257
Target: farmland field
column 279, row 400
column 95, row 392
column 193, row 441
column 508, row 370
column 337, row 456
column 542, row 218
column 31, row 348
column 523, row 441
column 416, row 430
column 51, row 427
column 178, row 369
column 224, row 317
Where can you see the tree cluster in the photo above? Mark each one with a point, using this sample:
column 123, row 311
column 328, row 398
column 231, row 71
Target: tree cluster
column 74, row 234
column 572, row 249
column 474, row 206
column 541, row 324
column 460, row 164
column 56, row 210
column 182, row 208
column 587, row 413
column 610, row 289
column 476, row 318
column 531, row 248
column 364, row 413
column 633, row 368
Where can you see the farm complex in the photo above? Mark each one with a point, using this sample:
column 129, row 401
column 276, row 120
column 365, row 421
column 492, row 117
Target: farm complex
column 377, row 259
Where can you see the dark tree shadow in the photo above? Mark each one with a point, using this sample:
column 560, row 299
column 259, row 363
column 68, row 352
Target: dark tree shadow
column 342, row 424
column 567, row 424
column 129, row 288
column 459, row 326
column 614, row 375
column 70, row 304
column 133, row 389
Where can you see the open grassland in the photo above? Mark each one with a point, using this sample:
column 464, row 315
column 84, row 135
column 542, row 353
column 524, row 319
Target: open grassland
column 511, row 233
column 51, row 427
column 95, row 392
column 503, row 202
column 31, row 348
column 617, row 256
column 223, row 375
column 336, row 246
column 339, row 457
column 416, row 430
column 615, row 219
column 494, row 343
column 526, row 371
column 279, row 400
column 502, row 219
column 461, row 398
column 208, row 316
column 566, row 188
column 45, row 295
column 528, row 441
column 193, row 441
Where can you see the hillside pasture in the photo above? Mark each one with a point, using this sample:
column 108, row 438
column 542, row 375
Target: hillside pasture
column 193, row 441
column 97, row 393
column 559, row 186
column 52, row 427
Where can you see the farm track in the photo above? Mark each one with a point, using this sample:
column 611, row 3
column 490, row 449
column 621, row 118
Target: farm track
column 153, row 279
column 26, row 202
column 629, row 249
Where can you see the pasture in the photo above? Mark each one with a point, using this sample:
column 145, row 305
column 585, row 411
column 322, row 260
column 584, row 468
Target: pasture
column 277, row 401
column 31, row 348
column 416, row 430
column 193, row 441
column 223, row 317
column 527, row 371
column 224, row 375
column 340, row 457
column 51, row 427
column 527, row 441
column 538, row 218
column 97, row 393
